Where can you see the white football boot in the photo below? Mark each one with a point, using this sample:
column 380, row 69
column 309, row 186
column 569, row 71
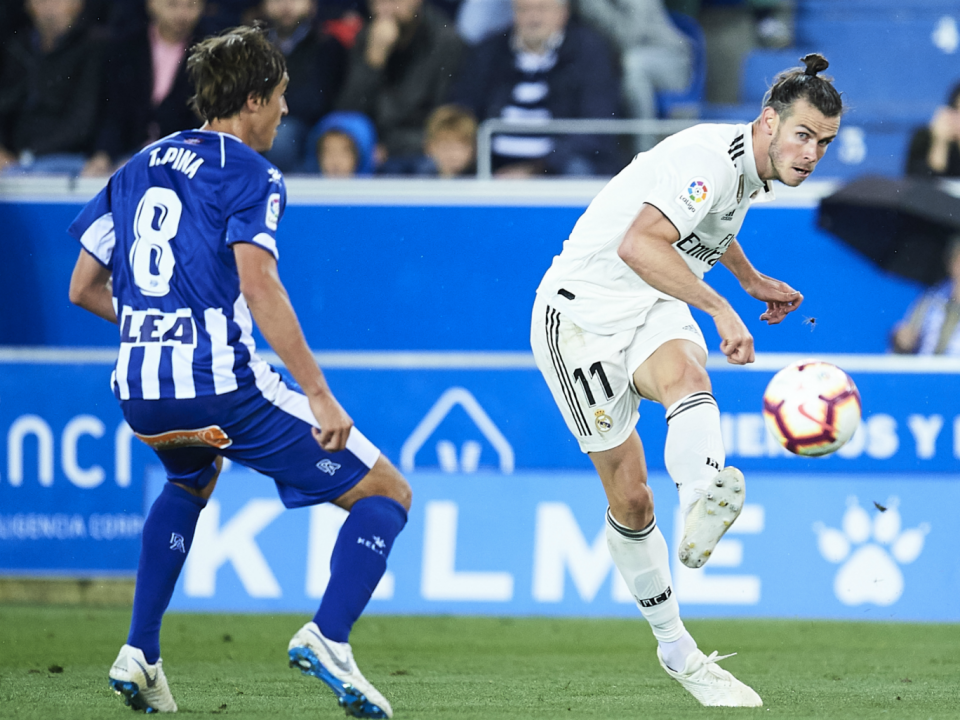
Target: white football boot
column 143, row 686
column 333, row 663
column 711, row 516
column 711, row 684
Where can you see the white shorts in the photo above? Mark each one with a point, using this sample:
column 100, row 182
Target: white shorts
column 591, row 376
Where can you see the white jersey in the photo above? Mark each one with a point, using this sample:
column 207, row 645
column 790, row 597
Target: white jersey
column 703, row 180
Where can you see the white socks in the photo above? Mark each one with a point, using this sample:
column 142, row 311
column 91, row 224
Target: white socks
column 694, row 451
column 694, row 454
column 675, row 653
column 643, row 560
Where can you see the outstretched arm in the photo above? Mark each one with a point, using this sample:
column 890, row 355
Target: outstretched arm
column 780, row 298
column 274, row 314
column 90, row 287
column 648, row 249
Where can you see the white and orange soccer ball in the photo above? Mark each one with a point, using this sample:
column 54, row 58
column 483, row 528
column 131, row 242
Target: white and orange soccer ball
column 812, row 408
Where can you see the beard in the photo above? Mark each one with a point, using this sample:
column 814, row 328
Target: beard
column 779, row 166
column 775, row 153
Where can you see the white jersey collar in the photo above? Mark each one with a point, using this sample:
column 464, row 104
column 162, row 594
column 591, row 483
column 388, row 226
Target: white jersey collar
column 759, row 191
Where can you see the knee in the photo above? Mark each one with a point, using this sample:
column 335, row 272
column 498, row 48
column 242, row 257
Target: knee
column 688, row 377
column 402, row 492
column 384, row 479
column 634, row 508
column 395, row 485
column 206, row 491
column 639, row 500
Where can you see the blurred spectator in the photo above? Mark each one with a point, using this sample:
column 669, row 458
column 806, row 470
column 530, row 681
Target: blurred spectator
column 451, row 141
column 654, row 54
column 449, row 146
column 115, row 19
column 316, row 63
column 146, row 88
column 772, row 20
column 399, row 70
column 935, row 149
column 479, row 19
column 342, row 18
column 341, row 146
column 544, row 68
column 222, row 14
column 448, row 7
column 13, row 18
column 334, row 9
column 49, row 91
column 932, row 324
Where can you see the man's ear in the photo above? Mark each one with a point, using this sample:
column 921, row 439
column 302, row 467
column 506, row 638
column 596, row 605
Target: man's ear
column 769, row 120
column 253, row 103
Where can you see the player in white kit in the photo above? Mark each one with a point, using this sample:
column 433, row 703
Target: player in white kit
column 611, row 325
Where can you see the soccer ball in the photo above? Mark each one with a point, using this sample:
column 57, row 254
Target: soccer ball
column 812, row 408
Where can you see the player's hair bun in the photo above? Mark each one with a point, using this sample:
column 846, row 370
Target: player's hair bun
column 815, row 63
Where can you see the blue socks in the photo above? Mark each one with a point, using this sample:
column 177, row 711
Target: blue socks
column 358, row 562
column 167, row 535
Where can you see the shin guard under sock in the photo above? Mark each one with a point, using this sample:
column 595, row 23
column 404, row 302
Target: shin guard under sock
column 165, row 542
column 643, row 560
column 358, row 562
column 694, row 451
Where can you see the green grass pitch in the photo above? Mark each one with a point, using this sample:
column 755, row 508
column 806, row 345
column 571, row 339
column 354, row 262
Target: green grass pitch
column 54, row 663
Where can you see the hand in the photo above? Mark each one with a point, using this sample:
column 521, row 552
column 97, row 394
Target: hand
column 97, row 166
column 736, row 340
column 7, row 158
column 334, row 422
column 781, row 299
column 906, row 337
column 383, row 36
column 519, row 171
column 945, row 126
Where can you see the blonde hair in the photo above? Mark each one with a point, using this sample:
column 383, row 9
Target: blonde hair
column 452, row 119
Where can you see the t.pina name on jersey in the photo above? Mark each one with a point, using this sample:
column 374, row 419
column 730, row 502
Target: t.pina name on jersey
column 186, row 161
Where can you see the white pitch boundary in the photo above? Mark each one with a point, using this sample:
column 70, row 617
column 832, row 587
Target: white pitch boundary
column 766, row 362
column 403, row 192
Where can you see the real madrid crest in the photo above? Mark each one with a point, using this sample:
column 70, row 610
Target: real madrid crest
column 603, row 421
column 740, row 190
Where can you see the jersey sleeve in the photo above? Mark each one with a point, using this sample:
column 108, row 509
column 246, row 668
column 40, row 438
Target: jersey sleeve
column 254, row 212
column 93, row 228
column 690, row 183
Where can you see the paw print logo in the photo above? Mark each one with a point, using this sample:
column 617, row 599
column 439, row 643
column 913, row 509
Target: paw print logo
column 870, row 552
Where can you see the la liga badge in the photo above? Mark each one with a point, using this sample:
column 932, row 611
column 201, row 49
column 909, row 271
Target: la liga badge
column 694, row 195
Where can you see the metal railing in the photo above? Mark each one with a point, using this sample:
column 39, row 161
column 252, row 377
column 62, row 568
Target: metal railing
column 565, row 126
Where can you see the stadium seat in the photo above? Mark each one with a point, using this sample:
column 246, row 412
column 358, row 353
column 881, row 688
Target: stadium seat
column 756, row 73
column 687, row 102
column 875, row 131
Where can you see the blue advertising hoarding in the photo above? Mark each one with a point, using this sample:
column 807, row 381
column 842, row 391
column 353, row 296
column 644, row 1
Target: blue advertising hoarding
column 71, row 474
column 420, row 277
column 813, row 546
column 420, row 310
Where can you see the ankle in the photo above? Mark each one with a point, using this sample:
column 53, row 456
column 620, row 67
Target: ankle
column 675, row 653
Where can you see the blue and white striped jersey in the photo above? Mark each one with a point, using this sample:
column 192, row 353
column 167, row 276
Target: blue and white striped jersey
column 164, row 225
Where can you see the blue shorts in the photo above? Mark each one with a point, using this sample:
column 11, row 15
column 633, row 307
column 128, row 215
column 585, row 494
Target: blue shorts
column 272, row 436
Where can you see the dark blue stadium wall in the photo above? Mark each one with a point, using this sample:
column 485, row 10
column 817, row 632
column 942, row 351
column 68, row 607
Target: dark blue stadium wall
column 455, row 278
column 472, row 428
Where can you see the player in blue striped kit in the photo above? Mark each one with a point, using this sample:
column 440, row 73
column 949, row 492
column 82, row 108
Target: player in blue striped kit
column 180, row 250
